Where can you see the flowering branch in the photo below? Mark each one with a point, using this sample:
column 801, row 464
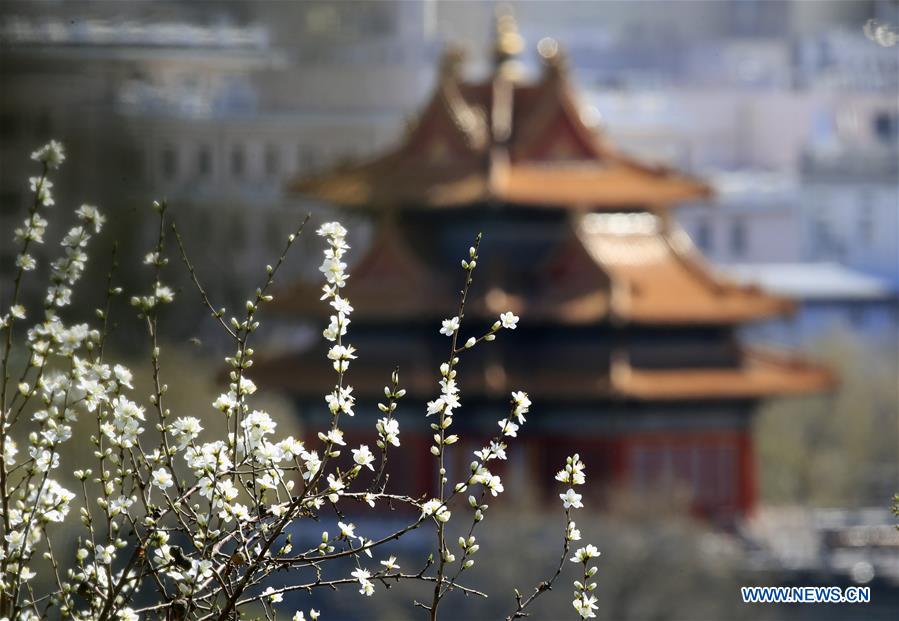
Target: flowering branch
column 196, row 530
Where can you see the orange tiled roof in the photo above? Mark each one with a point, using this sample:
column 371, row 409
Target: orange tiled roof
column 623, row 267
column 757, row 374
column 657, row 276
column 507, row 141
column 763, row 373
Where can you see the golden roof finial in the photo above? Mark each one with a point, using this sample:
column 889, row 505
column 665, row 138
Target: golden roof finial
column 508, row 43
column 552, row 56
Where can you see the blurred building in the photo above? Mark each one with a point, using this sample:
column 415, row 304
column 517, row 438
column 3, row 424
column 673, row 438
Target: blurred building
column 200, row 110
column 831, row 299
column 215, row 106
column 627, row 344
column 138, row 105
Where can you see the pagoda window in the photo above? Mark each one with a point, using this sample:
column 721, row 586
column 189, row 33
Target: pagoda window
column 169, row 163
column 703, row 468
column 866, row 220
column 687, row 353
column 204, row 161
column 739, row 241
column 238, row 161
column 886, row 127
column 271, row 160
column 704, row 235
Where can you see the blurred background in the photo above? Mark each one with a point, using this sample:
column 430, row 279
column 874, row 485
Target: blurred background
column 786, row 110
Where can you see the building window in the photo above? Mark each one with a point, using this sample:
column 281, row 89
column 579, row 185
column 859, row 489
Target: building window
column 706, row 470
column 885, row 127
column 826, row 244
column 866, row 220
column 306, row 158
column 271, row 160
column 169, row 163
column 738, row 241
column 704, row 235
column 204, row 162
column 238, row 161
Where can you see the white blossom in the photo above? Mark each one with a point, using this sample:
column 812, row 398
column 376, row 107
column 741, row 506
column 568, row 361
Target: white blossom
column 366, row 586
column 291, row 448
column 521, row 404
column 127, row 614
column 162, row 479
column 437, row 509
column 92, row 216
column 450, row 326
column 509, row 320
column 496, row 450
column 509, row 428
column 185, row 430
column 363, row 456
column 52, row 154
column 341, row 355
column 334, row 436
column 584, row 554
column 124, row 427
column 239, row 493
column 573, row 473
column 585, row 604
column 571, row 499
column 389, row 430
column 494, row 484
column 341, row 399
column 572, row 533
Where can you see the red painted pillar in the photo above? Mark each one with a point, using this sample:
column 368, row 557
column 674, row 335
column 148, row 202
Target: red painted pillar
column 747, row 473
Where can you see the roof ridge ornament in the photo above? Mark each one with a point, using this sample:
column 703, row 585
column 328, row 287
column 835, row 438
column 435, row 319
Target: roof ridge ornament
column 553, row 57
column 507, row 45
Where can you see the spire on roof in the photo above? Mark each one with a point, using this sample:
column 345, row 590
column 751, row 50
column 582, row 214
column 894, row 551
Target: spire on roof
column 552, row 56
column 508, row 44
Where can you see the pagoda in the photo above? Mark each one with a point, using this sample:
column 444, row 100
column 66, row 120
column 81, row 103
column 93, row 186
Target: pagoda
column 628, row 342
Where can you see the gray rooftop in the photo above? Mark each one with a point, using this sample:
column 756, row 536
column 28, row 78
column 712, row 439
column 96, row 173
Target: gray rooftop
column 812, row 281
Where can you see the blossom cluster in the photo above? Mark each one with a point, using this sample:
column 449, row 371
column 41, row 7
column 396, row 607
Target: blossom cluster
column 584, row 600
column 205, row 521
column 574, row 474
